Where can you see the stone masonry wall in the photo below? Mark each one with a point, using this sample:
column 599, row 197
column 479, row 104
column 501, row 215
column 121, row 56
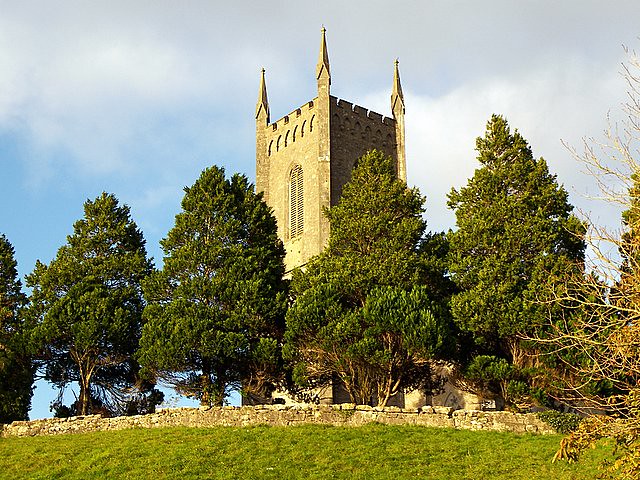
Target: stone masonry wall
column 280, row 415
column 354, row 131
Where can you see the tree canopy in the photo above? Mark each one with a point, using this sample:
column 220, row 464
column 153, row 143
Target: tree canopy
column 87, row 305
column 215, row 312
column 362, row 310
column 515, row 234
column 16, row 371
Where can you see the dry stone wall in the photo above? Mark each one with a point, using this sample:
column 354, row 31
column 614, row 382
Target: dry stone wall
column 280, row 415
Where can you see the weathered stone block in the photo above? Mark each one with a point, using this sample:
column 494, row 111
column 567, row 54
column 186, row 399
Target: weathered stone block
column 366, row 408
column 443, row 410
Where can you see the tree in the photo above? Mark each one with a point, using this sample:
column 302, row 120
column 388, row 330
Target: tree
column 215, row 312
column 607, row 330
column 87, row 305
column 368, row 309
column 16, row 370
column 515, row 231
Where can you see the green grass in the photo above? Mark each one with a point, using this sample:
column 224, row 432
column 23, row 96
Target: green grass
column 309, row 452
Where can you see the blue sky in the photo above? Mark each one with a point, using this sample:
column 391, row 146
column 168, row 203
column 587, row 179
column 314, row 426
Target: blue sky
column 137, row 97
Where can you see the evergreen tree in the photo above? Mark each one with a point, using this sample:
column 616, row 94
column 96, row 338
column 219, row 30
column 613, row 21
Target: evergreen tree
column 516, row 235
column 16, row 371
column 216, row 310
column 369, row 309
column 87, row 305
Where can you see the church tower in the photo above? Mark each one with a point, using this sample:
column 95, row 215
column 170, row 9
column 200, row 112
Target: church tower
column 304, row 159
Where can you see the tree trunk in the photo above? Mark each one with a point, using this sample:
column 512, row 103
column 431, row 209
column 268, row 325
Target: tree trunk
column 84, row 400
column 218, row 393
column 213, row 391
column 85, row 371
column 205, row 387
column 385, row 391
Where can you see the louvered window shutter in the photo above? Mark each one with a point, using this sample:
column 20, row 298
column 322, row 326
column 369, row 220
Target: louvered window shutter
column 296, row 202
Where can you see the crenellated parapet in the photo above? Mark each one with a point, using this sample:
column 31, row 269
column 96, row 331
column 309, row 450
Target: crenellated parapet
column 291, row 128
column 365, row 125
column 295, row 114
column 351, row 109
column 346, row 116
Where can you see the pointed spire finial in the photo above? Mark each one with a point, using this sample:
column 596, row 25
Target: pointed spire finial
column 323, row 58
column 396, row 93
column 263, row 102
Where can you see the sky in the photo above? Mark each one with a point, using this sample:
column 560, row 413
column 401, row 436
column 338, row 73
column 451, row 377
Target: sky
column 136, row 98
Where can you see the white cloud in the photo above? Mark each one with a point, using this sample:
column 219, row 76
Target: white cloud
column 86, row 79
column 546, row 106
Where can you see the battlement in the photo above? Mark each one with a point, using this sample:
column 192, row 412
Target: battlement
column 294, row 114
column 338, row 102
column 361, row 111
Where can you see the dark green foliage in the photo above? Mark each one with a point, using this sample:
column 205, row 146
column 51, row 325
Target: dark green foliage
column 216, row 310
column 516, row 238
column 16, row 370
column 493, row 377
column 87, row 305
column 376, row 231
column 370, row 309
column 561, row 422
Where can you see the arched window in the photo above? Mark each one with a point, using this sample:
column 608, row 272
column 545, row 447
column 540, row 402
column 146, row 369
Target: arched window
column 304, row 124
column 389, row 141
column 295, row 132
column 270, row 147
column 311, row 124
column 278, row 143
column 296, row 202
column 286, row 139
column 346, row 126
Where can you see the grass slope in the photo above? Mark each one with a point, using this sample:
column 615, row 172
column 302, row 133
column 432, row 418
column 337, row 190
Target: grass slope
column 309, row 452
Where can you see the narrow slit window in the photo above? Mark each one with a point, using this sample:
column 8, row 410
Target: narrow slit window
column 296, row 202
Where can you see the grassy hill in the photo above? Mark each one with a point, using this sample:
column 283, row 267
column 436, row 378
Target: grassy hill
column 310, row 452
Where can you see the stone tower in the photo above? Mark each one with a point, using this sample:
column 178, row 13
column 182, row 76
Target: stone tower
column 304, row 159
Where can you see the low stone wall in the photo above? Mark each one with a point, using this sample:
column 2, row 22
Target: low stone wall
column 280, row 415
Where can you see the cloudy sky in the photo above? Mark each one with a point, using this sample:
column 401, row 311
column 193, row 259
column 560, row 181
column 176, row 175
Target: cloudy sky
column 137, row 97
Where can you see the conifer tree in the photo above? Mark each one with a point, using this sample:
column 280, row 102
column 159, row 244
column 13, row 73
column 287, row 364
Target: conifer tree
column 215, row 311
column 515, row 235
column 367, row 309
column 87, row 305
column 16, row 370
